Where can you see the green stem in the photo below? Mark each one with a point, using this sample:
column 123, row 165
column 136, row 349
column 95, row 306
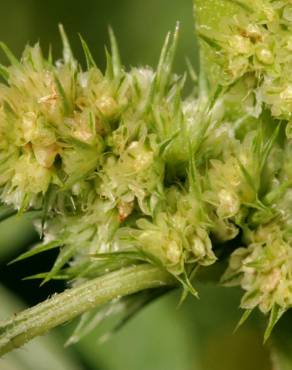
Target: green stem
column 72, row 302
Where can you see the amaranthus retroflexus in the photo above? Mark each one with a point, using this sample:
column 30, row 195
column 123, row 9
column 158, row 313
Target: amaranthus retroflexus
column 141, row 187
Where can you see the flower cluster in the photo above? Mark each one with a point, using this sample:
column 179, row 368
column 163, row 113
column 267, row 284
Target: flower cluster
column 126, row 170
column 246, row 47
column 107, row 157
column 263, row 270
column 252, row 43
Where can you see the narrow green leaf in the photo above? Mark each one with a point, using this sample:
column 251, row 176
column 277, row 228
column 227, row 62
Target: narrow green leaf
column 88, row 56
column 117, row 255
column 109, row 72
column 203, row 84
column 165, row 144
column 98, row 268
column 67, row 51
column 247, row 176
column 24, row 204
column 214, row 98
column 4, row 72
column 66, row 103
column 166, row 59
column 84, row 326
column 39, row 248
column 187, row 288
column 275, row 315
column 268, row 147
column 211, row 42
column 116, row 61
column 66, row 253
column 162, row 59
column 10, row 56
column 192, row 71
column 243, row 319
column 43, row 275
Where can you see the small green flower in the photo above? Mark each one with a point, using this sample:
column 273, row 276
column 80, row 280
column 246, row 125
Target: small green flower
column 263, row 270
column 254, row 39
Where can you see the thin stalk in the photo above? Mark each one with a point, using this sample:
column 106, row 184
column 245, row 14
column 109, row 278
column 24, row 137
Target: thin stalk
column 63, row 307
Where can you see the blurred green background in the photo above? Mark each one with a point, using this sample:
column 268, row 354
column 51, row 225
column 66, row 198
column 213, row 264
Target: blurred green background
column 196, row 336
column 140, row 26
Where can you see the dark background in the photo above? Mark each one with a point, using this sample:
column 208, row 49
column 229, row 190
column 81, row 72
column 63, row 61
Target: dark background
column 140, row 26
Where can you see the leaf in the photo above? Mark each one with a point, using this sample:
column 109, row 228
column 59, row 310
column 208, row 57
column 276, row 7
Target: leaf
column 166, row 143
column 231, row 279
column 66, row 253
column 164, row 68
column 268, row 147
column 109, row 72
column 39, row 248
column 187, row 287
column 246, row 175
column 203, row 84
column 132, row 255
column 67, row 51
column 66, row 103
column 275, row 194
column 186, row 290
column 192, row 71
column 48, row 201
column 4, row 72
column 218, row 92
column 10, row 56
column 162, row 59
column 243, row 319
column 166, row 59
column 87, row 322
column 163, row 71
column 24, row 204
column 97, row 268
column 43, row 275
column 116, row 61
column 275, row 315
column 211, row 42
column 88, row 56
column 194, row 182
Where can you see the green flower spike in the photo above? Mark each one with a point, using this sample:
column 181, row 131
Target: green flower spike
column 141, row 188
column 246, row 51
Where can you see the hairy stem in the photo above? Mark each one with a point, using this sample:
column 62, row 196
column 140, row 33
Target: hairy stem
column 72, row 302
